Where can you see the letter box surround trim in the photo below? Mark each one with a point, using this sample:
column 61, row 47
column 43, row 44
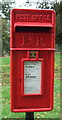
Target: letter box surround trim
column 41, row 79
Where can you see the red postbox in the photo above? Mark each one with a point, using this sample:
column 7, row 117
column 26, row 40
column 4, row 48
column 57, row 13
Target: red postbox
column 32, row 45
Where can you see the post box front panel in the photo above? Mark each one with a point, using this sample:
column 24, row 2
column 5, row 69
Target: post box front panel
column 32, row 77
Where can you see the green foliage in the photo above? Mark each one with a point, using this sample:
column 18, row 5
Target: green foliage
column 0, row 37
column 6, row 7
column 61, row 7
column 58, row 8
column 5, row 61
column 60, row 23
column 5, row 37
column 44, row 4
column 0, row 5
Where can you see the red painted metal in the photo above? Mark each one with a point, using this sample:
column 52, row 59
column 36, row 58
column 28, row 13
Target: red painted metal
column 32, row 30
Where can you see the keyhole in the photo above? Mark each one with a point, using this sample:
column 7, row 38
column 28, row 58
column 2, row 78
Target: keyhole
column 20, row 79
column 32, row 54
